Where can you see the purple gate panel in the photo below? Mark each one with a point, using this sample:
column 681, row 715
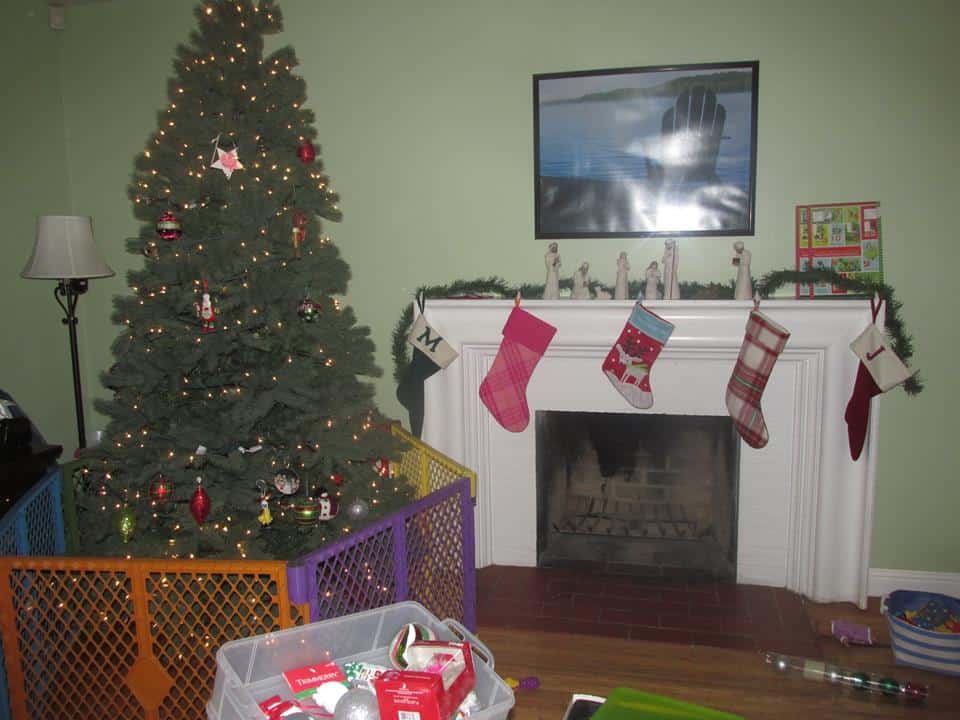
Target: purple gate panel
column 424, row 552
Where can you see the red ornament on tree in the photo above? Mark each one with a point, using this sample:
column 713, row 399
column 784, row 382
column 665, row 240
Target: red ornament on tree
column 200, row 503
column 306, row 152
column 336, row 478
column 381, row 467
column 168, row 227
column 161, row 489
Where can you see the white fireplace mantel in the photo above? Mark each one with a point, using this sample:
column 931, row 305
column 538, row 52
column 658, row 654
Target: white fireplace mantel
column 805, row 508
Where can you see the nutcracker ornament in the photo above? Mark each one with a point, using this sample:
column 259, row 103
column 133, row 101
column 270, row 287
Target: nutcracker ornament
column 299, row 232
column 205, row 310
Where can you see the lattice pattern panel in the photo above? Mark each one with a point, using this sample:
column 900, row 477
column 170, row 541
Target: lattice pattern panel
column 427, row 469
column 441, row 474
column 193, row 615
column 435, row 573
column 8, row 539
column 77, row 641
column 361, row 578
column 41, row 532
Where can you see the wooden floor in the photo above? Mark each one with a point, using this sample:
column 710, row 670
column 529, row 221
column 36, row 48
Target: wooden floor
column 729, row 676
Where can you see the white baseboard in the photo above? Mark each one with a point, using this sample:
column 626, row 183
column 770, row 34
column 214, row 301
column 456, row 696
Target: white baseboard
column 882, row 581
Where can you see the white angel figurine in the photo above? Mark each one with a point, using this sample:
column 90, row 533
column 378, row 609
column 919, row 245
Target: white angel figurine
column 741, row 258
column 551, row 260
column 651, row 291
column 581, row 287
column 671, row 259
column 620, row 290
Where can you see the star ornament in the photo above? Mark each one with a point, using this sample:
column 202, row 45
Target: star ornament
column 227, row 161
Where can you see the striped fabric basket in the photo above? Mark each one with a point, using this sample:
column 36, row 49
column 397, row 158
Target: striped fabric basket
column 919, row 648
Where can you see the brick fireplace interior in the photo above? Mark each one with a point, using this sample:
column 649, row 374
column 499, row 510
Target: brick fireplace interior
column 630, row 492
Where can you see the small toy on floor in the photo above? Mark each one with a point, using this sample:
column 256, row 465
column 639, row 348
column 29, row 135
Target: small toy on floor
column 851, row 633
column 823, row 672
column 530, row 682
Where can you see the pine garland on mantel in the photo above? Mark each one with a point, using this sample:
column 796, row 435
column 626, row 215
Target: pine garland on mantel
column 494, row 287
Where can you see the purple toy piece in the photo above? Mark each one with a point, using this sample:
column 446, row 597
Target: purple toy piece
column 850, row 633
column 529, row 683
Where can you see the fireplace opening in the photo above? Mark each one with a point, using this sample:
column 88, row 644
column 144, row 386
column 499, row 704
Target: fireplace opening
column 636, row 492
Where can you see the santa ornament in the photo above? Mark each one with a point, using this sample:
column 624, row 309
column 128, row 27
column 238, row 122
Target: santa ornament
column 880, row 370
column 299, row 231
column 205, row 310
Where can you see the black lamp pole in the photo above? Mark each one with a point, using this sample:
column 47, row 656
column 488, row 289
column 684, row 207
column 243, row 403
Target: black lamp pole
column 70, row 291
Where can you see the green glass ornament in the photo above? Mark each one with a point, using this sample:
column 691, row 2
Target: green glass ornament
column 860, row 680
column 126, row 523
column 889, row 686
column 306, row 513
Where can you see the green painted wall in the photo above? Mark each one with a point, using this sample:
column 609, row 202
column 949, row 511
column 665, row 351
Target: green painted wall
column 424, row 113
column 34, row 353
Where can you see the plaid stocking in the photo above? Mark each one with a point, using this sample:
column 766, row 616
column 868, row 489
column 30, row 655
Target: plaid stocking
column 762, row 344
column 503, row 390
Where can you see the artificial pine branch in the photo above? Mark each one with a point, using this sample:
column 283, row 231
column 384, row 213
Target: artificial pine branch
column 901, row 341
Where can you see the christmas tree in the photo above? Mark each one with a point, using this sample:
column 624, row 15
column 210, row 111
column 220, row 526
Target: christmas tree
column 239, row 424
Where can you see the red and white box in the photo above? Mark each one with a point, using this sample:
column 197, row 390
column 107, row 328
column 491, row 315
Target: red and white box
column 439, row 677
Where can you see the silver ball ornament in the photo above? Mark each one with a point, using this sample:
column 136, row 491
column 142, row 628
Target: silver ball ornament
column 357, row 704
column 357, row 509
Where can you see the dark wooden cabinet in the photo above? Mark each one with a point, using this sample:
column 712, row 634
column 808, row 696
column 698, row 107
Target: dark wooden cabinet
column 20, row 470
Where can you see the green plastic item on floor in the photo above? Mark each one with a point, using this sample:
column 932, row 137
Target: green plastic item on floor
column 628, row 704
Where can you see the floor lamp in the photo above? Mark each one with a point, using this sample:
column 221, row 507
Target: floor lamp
column 64, row 251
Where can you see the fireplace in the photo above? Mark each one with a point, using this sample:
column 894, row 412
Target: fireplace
column 630, row 492
column 804, row 508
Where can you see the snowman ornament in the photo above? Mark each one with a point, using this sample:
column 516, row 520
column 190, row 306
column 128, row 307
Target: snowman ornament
column 205, row 311
column 327, row 506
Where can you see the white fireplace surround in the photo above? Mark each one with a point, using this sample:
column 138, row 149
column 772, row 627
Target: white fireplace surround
column 805, row 508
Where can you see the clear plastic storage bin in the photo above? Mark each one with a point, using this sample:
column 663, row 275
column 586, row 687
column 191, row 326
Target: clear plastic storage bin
column 249, row 670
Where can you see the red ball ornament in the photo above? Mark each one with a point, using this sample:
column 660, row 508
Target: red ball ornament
column 169, row 227
column 200, row 504
column 161, row 489
column 336, row 479
column 307, row 152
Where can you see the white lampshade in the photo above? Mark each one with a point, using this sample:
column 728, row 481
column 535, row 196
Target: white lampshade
column 64, row 250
